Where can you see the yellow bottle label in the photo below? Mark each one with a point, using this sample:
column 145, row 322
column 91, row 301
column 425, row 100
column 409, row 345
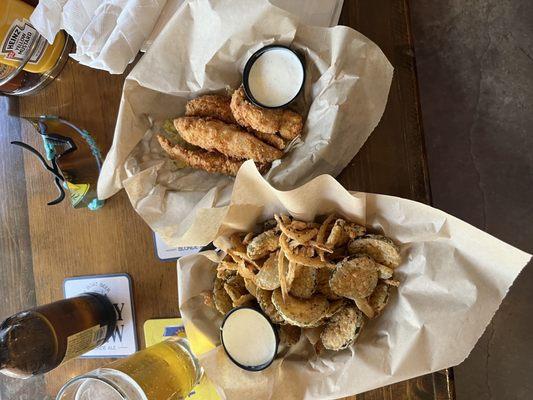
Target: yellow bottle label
column 18, row 40
column 84, row 341
column 77, row 192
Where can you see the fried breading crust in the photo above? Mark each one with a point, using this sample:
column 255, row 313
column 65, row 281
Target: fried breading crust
column 211, row 105
column 271, row 139
column 288, row 123
column 208, row 161
column 231, row 140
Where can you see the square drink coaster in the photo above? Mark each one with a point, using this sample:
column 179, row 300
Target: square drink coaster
column 117, row 287
column 168, row 253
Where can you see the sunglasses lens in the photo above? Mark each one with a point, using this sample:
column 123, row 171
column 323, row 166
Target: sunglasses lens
column 74, row 155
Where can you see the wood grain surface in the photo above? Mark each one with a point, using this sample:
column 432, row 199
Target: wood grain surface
column 52, row 243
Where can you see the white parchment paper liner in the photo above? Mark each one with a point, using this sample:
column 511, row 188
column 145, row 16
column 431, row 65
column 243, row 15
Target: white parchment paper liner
column 453, row 279
column 202, row 50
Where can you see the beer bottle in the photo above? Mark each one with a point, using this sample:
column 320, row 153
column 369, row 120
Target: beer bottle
column 38, row 340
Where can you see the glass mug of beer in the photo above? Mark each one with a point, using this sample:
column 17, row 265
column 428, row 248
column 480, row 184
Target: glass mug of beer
column 165, row 371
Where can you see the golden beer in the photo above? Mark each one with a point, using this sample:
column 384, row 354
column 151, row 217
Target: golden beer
column 166, row 370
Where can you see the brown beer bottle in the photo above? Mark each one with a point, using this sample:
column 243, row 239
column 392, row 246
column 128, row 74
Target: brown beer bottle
column 38, row 340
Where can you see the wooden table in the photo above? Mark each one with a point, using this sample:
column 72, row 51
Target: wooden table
column 40, row 245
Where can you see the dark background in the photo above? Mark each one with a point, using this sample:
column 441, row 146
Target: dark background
column 475, row 71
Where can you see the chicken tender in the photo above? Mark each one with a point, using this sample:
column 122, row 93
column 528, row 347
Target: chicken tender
column 213, row 162
column 211, row 105
column 288, row 123
column 271, row 139
column 231, row 140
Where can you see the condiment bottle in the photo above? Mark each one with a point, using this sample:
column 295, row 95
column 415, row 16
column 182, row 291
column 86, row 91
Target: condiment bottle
column 14, row 83
column 17, row 36
column 36, row 341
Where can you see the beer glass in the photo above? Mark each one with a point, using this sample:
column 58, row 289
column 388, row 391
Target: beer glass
column 165, row 371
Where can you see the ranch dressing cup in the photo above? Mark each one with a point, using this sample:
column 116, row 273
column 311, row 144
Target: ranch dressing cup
column 249, row 338
column 273, row 76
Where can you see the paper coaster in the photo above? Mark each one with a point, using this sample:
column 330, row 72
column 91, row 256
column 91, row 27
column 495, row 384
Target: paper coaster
column 117, row 287
column 168, row 253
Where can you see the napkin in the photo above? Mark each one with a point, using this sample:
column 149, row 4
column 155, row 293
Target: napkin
column 453, row 278
column 109, row 33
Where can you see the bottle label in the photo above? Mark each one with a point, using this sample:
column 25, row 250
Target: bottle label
column 5, row 70
column 77, row 192
column 19, row 39
column 85, row 341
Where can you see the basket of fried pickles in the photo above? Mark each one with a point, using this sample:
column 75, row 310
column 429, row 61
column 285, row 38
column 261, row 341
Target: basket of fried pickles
column 330, row 273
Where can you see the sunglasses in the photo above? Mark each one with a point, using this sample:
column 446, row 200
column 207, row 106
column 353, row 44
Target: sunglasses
column 71, row 157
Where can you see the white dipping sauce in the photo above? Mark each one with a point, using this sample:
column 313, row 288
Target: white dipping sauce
column 276, row 77
column 249, row 338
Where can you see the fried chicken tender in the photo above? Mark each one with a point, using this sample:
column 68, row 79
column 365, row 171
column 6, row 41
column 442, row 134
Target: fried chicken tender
column 201, row 159
column 210, row 161
column 288, row 123
column 271, row 139
column 211, row 105
column 231, row 140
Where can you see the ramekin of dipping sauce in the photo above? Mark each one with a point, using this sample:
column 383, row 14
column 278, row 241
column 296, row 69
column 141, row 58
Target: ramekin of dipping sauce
column 273, row 76
column 249, row 338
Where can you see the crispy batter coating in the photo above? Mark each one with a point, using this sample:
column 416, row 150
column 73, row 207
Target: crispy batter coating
column 263, row 244
column 231, row 140
column 289, row 335
column 272, row 139
column 343, row 329
column 209, row 161
column 211, row 105
column 285, row 122
column 355, row 278
column 305, row 313
column 380, row 248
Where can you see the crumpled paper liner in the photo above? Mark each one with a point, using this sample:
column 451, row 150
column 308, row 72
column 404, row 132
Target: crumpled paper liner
column 453, row 279
column 203, row 49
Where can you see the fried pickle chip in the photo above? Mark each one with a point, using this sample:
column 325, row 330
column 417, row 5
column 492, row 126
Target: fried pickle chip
column 384, row 271
column 338, row 236
column 263, row 244
column 380, row 248
column 223, row 302
column 268, row 278
column 250, row 286
column 355, row 277
column 354, row 230
column 303, row 284
column 322, row 284
column 365, row 307
column 235, row 288
column 225, row 274
column 335, row 306
column 379, row 299
column 343, row 329
column 264, row 298
column 305, row 313
column 289, row 335
column 244, row 300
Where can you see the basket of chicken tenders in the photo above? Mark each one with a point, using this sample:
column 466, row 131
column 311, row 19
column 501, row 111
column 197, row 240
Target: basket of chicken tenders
column 213, row 91
column 319, row 293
